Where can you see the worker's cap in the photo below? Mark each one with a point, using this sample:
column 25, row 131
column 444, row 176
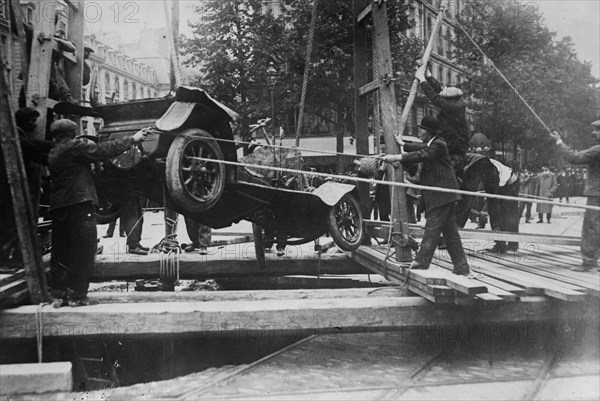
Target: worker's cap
column 88, row 49
column 596, row 124
column 450, row 92
column 60, row 128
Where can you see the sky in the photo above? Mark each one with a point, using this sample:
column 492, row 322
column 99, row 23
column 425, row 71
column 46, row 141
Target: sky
column 579, row 19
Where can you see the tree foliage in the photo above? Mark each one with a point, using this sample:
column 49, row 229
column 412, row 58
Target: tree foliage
column 545, row 71
column 236, row 42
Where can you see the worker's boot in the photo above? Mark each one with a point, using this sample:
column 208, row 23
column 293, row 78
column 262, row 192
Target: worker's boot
column 59, row 298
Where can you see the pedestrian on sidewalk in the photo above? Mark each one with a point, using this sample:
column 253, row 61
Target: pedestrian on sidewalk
column 545, row 187
column 590, row 233
column 440, row 207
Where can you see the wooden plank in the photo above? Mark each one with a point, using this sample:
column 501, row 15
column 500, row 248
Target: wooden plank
column 489, row 236
column 32, row 378
column 533, row 284
column 370, row 87
column 433, row 276
column 73, row 4
column 231, row 241
column 364, row 13
column 247, row 296
column 489, row 297
column 461, row 284
column 431, row 297
column 361, row 105
column 495, row 290
column 74, row 70
column 417, row 283
column 303, row 316
column 12, row 288
column 541, row 275
column 196, row 266
column 389, row 122
column 25, row 216
column 9, row 278
column 492, row 282
column 15, row 299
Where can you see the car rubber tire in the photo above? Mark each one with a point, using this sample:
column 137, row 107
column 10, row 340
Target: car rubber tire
column 183, row 174
column 345, row 223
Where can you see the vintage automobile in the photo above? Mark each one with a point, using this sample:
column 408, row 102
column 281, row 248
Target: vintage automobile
column 173, row 168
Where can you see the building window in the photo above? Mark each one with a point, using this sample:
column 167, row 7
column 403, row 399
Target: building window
column 440, row 74
column 449, row 77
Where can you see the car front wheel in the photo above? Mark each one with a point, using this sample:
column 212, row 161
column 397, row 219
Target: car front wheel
column 194, row 181
column 345, row 223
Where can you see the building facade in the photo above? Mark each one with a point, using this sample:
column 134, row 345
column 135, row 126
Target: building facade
column 117, row 77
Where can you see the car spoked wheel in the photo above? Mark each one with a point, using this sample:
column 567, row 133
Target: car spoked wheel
column 345, row 223
column 193, row 181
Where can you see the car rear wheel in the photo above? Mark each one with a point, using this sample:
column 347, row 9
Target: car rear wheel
column 196, row 184
column 345, row 223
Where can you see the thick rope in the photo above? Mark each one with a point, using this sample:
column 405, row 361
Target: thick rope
column 488, row 60
column 397, row 184
column 39, row 330
column 376, row 99
column 311, row 36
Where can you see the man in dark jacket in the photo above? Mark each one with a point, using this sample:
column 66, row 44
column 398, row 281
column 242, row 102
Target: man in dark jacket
column 452, row 117
column 590, row 232
column 72, row 200
column 494, row 178
column 440, row 207
column 35, row 154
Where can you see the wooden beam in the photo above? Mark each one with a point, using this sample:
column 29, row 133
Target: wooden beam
column 35, row 378
column 74, row 71
column 195, row 266
column 468, row 233
column 297, row 316
column 25, row 220
column 370, row 87
column 73, row 4
column 364, row 13
column 389, row 122
column 244, row 295
column 16, row 6
column 361, row 106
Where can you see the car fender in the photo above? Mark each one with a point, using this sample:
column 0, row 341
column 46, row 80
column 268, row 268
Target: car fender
column 175, row 116
column 331, row 192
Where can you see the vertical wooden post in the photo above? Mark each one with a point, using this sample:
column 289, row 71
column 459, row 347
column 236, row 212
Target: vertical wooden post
column 16, row 7
column 389, row 120
column 74, row 71
column 361, row 110
column 40, row 64
column 175, row 29
column 25, row 220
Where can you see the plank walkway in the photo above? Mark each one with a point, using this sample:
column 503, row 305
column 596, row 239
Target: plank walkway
column 536, row 269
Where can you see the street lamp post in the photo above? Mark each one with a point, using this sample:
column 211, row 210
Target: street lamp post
column 272, row 75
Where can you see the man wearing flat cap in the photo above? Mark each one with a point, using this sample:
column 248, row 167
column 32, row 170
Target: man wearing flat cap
column 452, row 116
column 72, row 200
column 590, row 232
column 440, row 207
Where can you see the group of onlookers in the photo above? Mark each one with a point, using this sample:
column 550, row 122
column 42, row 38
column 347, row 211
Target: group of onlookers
column 549, row 184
